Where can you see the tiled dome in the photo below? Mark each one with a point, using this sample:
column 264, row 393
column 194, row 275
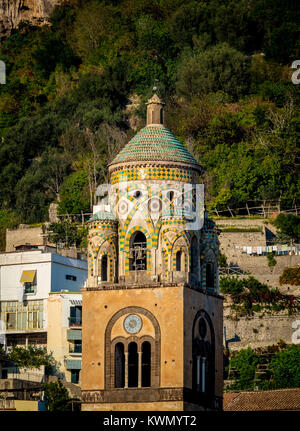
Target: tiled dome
column 103, row 215
column 154, row 143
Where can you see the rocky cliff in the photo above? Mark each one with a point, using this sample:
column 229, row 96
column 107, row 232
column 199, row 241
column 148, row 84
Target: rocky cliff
column 12, row 12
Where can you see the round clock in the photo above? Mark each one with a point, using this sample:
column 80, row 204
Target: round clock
column 132, row 323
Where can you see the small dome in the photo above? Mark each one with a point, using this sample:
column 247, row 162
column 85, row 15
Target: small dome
column 103, row 215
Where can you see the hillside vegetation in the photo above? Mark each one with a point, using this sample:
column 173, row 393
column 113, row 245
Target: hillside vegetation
column 223, row 68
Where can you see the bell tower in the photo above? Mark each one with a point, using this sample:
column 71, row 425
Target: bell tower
column 152, row 313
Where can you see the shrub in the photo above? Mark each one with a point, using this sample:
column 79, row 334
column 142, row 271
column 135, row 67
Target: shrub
column 271, row 259
column 290, row 276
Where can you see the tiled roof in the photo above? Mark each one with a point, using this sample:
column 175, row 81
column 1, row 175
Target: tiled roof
column 280, row 399
column 154, row 143
column 102, row 215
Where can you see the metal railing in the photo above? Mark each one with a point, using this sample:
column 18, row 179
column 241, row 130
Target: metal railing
column 75, row 321
column 76, row 348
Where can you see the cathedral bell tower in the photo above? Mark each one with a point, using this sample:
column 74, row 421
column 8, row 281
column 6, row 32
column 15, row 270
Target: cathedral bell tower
column 152, row 313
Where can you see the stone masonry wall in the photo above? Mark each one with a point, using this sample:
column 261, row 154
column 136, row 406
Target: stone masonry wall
column 256, row 331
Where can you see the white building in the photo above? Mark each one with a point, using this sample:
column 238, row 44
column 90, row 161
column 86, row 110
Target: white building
column 64, row 338
column 26, row 280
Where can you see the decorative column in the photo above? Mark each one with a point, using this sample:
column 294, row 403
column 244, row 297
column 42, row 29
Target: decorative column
column 140, row 370
column 203, row 375
column 126, row 370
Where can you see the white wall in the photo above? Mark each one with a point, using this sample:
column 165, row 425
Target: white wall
column 62, row 266
column 50, row 277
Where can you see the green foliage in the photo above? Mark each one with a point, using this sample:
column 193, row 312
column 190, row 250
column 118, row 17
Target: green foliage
column 218, row 68
column 248, row 295
column 271, row 260
column 237, row 109
column 222, row 260
column 68, row 234
column 290, row 276
column 245, row 361
column 284, row 367
column 57, row 397
column 33, row 357
column 74, row 196
column 281, row 361
column 289, row 225
column 8, row 220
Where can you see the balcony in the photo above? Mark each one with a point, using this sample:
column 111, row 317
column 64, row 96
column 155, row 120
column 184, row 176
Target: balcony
column 75, row 322
column 75, row 349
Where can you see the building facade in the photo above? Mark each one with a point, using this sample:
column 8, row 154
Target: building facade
column 152, row 313
column 27, row 281
column 64, row 334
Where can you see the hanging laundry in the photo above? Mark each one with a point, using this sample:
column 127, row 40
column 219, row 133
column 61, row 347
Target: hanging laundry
column 249, row 250
column 259, row 250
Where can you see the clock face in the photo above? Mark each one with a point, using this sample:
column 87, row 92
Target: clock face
column 132, row 323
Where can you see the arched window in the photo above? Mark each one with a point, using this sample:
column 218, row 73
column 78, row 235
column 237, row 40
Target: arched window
column 210, row 276
column 203, row 355
column 134, row 361
column 138, row 252
column 178, row 260
column 104, row 268
column 133, row 364
column 194, row 199
column 119, row 366
column 146, row 364
column 170, row 196
column 194, row 257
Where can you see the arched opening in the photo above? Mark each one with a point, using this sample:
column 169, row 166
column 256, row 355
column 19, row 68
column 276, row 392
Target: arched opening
column 170, row 196
column 146, row 364
column 210, row 276
column 194, row 257
column 104, row 268
column 133, row 363
column 194, row 199
column 203, row 356
column 138, row 252
column 178, row 260
column 119, row 366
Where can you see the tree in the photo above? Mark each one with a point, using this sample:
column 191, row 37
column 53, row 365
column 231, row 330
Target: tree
column 218, row 68
column 285, row 370
column 57, row 397
column 74, row 195
column 288, row 225
column 68, row 233
column 245, row 361
column 32, row 357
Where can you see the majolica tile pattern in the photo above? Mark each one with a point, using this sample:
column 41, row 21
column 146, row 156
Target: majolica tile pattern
column 154, row 163
column 154, row 143
column 153, row 173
